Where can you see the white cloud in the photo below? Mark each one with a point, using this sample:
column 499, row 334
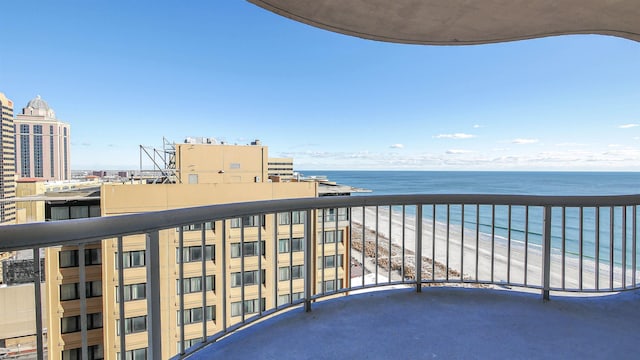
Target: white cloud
column 397, row 146
column 628, row 126
column 477, row 126
column 614, row 145
column 458, row 151
column 568, row 144
column 454, row 136
column 524, row 141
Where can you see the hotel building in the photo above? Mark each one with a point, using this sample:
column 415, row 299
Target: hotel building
column 7, row 163
column 42, row 142
column 83, row 282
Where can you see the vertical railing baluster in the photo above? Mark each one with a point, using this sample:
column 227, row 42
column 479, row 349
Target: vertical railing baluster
column 154, row 331
column 203, row 278
column 242, row 282
column 526, row 244
column 462, row 244
column 611, row 246
column 546, row 250
column 363, row 245
column 276, row 270
column 390, row 239
column 323, row 262
column 308, row 257
column 121, row 315
column 290, row 258
column 404, row 214
column 418, row 259
column 564, row 246
column 433, row 242
column 624, row 246
column 448, row 240
column 597, row 254
column 84, row 348
column 509, row 245
column 261, row 252
column 493, row 240
column 377, row 235
column 335, row 256
column 478, row 240
column 223, row 270
column 581, row 248
column 634, row 246
column 350, row 243
column 181, row 285
column 37, row 298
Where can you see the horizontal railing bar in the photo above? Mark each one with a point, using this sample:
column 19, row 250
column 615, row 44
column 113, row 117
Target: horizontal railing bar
column 71, row 232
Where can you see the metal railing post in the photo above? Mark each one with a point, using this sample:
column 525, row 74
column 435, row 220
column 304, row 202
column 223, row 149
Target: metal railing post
column 37, row 283
column 546, row 249
column 308, row 260
column 154, row 328
column 418, row 259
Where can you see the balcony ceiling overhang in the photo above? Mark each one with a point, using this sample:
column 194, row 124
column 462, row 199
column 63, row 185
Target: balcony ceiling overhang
column 463, row 22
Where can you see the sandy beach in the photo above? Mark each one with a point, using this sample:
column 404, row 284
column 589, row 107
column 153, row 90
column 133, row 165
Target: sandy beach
column 471, row 262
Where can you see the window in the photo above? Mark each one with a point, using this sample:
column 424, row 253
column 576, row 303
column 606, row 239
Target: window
column 295, row 271
column 194, row 253
column 211, row 225
column 250, row 307
column 72, row 323
column 329, row 262
column 137, row 354
column 297, row 244
column 69, row 258
column 132, row 259
column 250, row 278
column 194, row 284
column 329, row 215
column 330, row 285
column 330, row 237
column 247, row 221
column 250, row 249
column 284, row 299
column 72, row 291
column 189, row 343
column 133, row 325
column 295, row 217
column 194, row 315
column 132, row 292
column 95, row 352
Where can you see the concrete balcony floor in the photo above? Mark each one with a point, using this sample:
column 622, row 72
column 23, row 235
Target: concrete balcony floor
column 445, row 323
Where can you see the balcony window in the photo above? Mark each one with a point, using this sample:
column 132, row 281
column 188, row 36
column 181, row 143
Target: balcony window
column 137, row 354
column 194, row 284
column 329, row 262
column 297, row 244
column 330, row 237
column 72, row 291
column 247, row 221
column 69, row 258
column 132, row 292
column 329, row 215
column 250, row 278
column 284, row 299
column 72, row 323
column 295, row 217
column 194, row 315
column 133, row 325
column 250, row 307
column 95, row 352
column 194, row 253
column 330, row 285
column 132, row 259
column 250, row 249
column 294, row 272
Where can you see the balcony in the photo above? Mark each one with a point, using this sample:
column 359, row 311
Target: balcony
column 192, row 274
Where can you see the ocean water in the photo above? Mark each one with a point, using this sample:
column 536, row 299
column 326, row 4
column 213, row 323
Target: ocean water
column 516, row 183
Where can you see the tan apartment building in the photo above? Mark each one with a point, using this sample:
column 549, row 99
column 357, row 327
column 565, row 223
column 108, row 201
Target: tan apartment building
column 7, row 163
column 273, row 269
column 42, row 142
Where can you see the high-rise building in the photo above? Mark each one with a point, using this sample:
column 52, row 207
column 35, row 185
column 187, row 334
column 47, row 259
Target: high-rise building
column 281, row 168
column 7, row 163
column 42, row 142
column 261, row 250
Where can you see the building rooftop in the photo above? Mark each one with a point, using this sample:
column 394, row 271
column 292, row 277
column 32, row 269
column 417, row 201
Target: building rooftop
column 444, row 323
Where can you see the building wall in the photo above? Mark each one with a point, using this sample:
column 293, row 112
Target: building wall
column 281, row 167
column 207, row 163
column 43, row 147
column 20, row 321
column 30, row 211
column 7, row 162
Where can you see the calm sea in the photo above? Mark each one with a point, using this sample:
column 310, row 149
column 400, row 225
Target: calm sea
column 512, row 183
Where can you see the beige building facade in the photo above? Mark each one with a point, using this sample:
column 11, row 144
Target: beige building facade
column 7, row 163
column 263, row 253
column 42, row 142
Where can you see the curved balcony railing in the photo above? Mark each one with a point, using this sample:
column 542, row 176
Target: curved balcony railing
column 237, row 263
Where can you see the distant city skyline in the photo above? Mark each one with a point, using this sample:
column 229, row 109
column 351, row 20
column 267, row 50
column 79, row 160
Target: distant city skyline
column 126, row 74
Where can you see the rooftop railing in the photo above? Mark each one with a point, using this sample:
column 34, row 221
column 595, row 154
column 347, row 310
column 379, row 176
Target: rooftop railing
column 252, row 260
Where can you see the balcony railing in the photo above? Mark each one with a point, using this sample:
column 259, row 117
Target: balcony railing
column 252, row 260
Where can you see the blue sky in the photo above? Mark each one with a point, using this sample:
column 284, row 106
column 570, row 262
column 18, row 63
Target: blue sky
column 128, row 73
